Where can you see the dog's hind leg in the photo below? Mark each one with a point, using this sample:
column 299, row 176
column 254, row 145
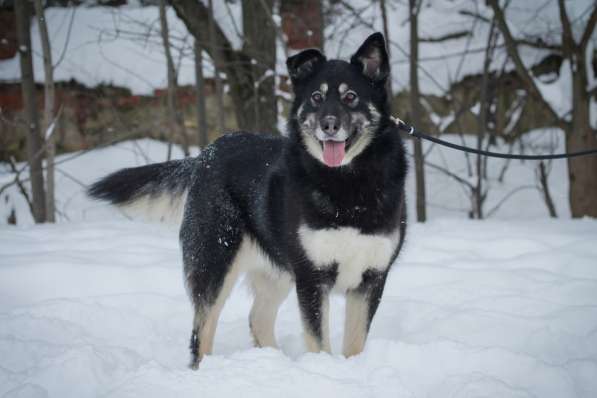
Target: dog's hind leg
column 361, row 305
column 207, row 313
column 270, row 290
column 211, row 238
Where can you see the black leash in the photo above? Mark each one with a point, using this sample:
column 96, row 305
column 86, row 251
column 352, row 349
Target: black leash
column 417, row 134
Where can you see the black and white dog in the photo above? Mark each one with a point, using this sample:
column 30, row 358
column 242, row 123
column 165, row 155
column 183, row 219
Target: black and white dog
column 322, row 209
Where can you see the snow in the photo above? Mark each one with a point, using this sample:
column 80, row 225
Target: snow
column 490, row 308
column 95, row 305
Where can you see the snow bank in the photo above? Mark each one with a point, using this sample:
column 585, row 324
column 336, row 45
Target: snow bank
column 493, row 308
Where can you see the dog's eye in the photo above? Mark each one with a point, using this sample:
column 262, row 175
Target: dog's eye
column 350, row 97
column 317, row 97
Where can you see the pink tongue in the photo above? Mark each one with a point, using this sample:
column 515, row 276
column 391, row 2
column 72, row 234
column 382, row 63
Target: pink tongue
column 333, row 152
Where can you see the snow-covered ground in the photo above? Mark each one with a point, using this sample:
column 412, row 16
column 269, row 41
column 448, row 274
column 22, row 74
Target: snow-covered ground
column 95, row 305
column 492, row 309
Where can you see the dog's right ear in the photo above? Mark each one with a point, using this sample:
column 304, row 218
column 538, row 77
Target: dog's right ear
column 304, row 64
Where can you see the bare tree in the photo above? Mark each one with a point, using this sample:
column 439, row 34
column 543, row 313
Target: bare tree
column 386, row 32
column 216, row 57
column 479, row 193
column 542, row 175
column 413, row 9
column 34, row 140
column 175, row 118
column 203, row 138
column 49, row 105
column 240, row 71
column 259, row 34
column 579, row 134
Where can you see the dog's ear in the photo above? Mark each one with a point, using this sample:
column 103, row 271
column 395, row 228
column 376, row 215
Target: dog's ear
column 372, row 58
column 304, row 64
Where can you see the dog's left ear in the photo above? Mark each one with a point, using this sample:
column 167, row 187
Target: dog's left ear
column 304, row 64
column 372, row 58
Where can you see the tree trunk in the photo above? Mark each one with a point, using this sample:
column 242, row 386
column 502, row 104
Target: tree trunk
column 236, row 64
column 221, row 123
column 203, row 138
column 34, row 142
column 582, row 171
column 260, row 45
column 49, row 105
column 175, row 120
column 386, row 32
column 415, row 112
column 479, row 196
column 544, row 184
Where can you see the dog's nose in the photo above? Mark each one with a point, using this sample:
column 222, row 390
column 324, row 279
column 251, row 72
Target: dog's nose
column 330, row 125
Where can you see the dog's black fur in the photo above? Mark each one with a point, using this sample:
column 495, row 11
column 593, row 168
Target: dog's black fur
column 258, row 190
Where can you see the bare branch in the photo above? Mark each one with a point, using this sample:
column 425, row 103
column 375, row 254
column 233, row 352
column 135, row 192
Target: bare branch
column 68, row 34
column 586, row 36
column 195, row 14
column 543, row 174
column 17, row 181
column 539, row 43
column 446, row 172
column 474, row 15
column 568, row 43
column 508, row 196
column 446, row 37
column 519, row 65
column 277, row 28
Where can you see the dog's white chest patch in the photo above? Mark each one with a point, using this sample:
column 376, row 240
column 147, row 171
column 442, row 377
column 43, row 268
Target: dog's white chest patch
column 353, row 251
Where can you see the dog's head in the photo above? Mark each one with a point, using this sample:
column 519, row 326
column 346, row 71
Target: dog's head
column 338, row 105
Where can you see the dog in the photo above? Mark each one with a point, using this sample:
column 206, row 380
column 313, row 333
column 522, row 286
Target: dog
column 322, row 209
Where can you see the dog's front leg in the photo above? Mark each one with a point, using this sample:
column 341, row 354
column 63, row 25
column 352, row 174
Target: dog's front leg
column 313, row 298
column 361, row 304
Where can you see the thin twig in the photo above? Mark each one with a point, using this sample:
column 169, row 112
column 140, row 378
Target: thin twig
column 68, row 34
column 13, row 167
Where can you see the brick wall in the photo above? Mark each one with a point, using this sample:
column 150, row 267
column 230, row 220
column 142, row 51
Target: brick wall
column 302, row 23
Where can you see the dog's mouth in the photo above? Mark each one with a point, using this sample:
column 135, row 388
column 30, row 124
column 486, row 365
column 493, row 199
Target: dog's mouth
column 334, row 151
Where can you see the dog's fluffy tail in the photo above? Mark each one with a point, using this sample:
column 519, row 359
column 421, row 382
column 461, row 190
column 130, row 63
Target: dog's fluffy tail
column 156, row 192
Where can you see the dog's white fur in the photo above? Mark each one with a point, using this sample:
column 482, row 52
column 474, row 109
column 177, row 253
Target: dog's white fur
column 270, row 290
column 353, row 251
column 355, row 323
column 165, row 208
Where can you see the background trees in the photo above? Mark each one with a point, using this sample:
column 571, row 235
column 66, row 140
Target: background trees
column 486, row 73
column 574, row 54
column 35, row 148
